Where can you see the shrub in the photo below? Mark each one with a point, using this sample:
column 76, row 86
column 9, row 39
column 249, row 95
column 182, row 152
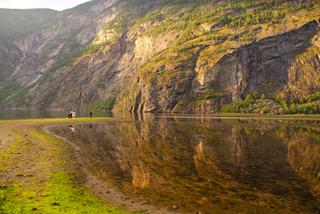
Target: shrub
column 242, row 106
column 103, row 105
column 266, row 110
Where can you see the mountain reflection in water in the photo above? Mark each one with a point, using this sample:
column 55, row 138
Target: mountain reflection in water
column 207, row 165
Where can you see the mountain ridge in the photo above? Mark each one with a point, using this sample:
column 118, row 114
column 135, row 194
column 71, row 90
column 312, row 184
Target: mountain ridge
column 128, row 51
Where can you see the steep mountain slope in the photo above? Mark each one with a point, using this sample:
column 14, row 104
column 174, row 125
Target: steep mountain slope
column 248, row 53
column 14, row 25
column 167, row 56
column 50, row 47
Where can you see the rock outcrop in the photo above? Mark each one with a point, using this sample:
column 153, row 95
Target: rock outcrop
column 161, row 57
column 285, row 63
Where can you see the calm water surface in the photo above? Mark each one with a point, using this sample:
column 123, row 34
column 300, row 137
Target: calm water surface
column 207, row 165
column 8, row 114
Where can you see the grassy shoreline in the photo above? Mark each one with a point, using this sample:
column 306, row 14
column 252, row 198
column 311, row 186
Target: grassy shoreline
column 38, row 174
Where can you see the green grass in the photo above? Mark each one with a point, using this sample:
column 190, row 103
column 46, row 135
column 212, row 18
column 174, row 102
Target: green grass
column 8, row 153
column 60, row 195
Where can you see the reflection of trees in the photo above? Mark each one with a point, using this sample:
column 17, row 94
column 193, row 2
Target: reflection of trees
column 201, row 165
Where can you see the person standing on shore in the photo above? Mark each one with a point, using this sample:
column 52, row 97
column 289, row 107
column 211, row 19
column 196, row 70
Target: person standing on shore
column 70, row 113
column 73, row 114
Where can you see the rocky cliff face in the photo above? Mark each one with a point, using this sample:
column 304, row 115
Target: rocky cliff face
column 285, row 63
column 264, row 67
column 160, row 56
column 304, row 72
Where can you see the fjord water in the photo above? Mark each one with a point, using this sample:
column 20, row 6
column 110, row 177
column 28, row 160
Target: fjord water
column 8, row 114
column 206, row 165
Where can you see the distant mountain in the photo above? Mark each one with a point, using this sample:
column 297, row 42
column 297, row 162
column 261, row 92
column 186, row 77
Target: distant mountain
column 163, row 56
column 15, row 24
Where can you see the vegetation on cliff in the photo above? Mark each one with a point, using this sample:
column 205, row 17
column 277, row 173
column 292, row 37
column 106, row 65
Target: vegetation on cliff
column 260, row 104
column 167, row 56
column 103, row 105
column 174, row 80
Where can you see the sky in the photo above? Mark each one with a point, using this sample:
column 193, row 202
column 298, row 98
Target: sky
column 53, row 4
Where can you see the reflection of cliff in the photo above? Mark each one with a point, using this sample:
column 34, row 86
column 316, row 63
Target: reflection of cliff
column 304, row 157
column 198, row 165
